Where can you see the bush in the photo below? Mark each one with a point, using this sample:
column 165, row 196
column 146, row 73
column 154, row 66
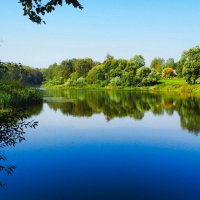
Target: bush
column 70, row 83
column 150, row 80
column 143, row 72
column 58, row 81
column 116, row 81
column 81, row 82
column 95, row 75
column 104, row 83
column 128, row 79
column 13, row 95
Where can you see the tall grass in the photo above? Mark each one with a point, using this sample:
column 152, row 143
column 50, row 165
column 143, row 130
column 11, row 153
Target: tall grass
column 12, row 94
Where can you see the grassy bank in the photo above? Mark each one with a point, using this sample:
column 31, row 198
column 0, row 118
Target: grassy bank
column 176, row 85
column 164, row 85
column 13, row 94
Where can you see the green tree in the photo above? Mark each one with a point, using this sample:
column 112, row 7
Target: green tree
column 158, row 64
column 23, row 74
column 128, row 79
column 135, row 63
column 170, row 63
column 74, row 76
column 151, row 79
column 122, row 64
column 109, row 67
column 143, row 72
column 180, row 63
column 51, row 72
column 95, row 75
column 146, row 77
column 191, row 67
column 83, row 66
column 66, row 68
column 115, row 81
column 81, row 82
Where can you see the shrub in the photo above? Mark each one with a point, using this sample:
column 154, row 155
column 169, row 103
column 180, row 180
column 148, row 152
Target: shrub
column 116, row 81
column 81, row 82
column 70, row 82
column 143, row 72
column 151, row 79
column 13, row 95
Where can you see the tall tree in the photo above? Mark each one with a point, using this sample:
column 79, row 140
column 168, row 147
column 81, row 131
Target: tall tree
column 158, row 64
column 170, row 63
column 135, row 63
column 191, row 67
column 179, row 64
column 66, row 68
column 83, row 66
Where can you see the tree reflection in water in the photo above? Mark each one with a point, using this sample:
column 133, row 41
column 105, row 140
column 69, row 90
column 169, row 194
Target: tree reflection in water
column 85, row 103
column 12, row 131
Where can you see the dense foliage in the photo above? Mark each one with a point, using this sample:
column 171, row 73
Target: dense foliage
column 23, row 74
column 12, row 94
column 158, row 64
column 14, row 91
column 191, row 66
column 123, row 73
column 112, row 72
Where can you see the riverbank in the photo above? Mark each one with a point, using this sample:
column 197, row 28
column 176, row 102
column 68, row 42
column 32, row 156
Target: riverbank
column 12, row 94
column 175, row 85
column 164, row 85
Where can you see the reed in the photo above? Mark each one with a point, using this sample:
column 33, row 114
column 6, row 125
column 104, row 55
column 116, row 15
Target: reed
column 12, row 94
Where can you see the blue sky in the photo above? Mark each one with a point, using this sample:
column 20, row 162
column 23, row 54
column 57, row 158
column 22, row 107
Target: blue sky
column 122, row 28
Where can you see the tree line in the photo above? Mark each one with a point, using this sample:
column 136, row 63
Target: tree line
column 109, row 73
column 122, row 72
column 114, row 72
column 25, row 75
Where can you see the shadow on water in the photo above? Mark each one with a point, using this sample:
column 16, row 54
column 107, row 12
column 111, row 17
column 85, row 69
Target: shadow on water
column 13, row 125
column 85, row 103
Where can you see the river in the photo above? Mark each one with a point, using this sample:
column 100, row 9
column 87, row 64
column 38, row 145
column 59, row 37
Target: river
column 107, row 145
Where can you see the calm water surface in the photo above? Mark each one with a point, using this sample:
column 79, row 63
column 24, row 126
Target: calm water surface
column 107, row 145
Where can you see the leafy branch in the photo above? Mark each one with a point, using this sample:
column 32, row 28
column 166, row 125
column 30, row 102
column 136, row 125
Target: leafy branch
column 35, row 9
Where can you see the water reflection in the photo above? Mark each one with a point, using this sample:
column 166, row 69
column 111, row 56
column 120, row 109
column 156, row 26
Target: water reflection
column 85, row 103
column 13, row 125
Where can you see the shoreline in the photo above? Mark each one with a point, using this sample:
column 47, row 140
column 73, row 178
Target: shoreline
column 164, row 85
column 14, row 95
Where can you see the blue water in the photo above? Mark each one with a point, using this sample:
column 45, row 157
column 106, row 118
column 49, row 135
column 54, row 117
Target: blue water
column 90, row 157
